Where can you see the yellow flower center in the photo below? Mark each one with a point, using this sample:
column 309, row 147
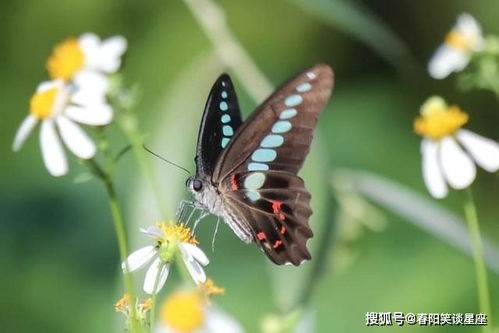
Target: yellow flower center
column 177, row 232
column 183, row 311
column 42, row 103
column 457, row 40
column 66, row 59
column 438, row 120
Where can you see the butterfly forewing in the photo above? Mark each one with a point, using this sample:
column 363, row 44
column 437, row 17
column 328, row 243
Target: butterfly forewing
column 257, row 171
column 221, row 118
column 283, row 126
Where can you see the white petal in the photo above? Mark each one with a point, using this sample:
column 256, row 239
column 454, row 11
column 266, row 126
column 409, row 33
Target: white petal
column 153, row 232
column 467, row 25
column 484, row 151
column 466, row 22
column 52, row 152
column 96, row 115
column 218, row 321
column 152, row 274
column 110, row 53
column 91, row 87
column 446, row 60
column 432, row 174
column 24, row 130
column 46, row 85
column 89, row 43
column 458, row 168
column 196, row 253
column 139, row 258
column 77, row 141
column 195, row 269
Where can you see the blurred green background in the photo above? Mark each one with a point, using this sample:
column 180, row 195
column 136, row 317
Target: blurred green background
column 58, row 256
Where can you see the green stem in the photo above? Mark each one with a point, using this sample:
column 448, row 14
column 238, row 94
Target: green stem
column 480, row 268
column 211, row 18
column 153, row 307
column 119, row 227
column 135, row 138
column 182, row 269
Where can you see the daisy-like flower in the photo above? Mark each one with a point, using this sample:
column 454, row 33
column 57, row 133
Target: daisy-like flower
column 170, row 240
column 449, row 151
column 190, row 312
column 59, row 110
column 87, row 61
column 455, row 53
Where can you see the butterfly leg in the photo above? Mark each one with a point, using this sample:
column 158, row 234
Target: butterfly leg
column 193, row 211
column 182, row 207
column 202, row 215
column 215, row 235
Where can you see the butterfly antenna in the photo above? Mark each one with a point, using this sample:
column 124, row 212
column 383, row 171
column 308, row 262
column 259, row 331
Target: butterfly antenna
column 164, row 159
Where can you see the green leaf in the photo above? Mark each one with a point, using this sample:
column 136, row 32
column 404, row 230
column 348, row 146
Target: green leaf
column 352, row 18
column 424, row 213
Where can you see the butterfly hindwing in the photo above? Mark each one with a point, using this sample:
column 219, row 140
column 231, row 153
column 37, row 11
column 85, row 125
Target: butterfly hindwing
column 279, row 217
column 221, row 118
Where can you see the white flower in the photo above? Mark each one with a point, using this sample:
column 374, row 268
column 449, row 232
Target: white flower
column 454, row 54
column 188, row 311
column 450, row 152
column 87, row 61
column 170, row 239
column 58, row 109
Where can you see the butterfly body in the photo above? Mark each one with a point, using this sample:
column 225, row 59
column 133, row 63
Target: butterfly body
column 247, row 172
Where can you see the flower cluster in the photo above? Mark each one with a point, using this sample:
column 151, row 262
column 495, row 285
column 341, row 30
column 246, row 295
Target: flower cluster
column 449, row 151
column 171, row 240
column 76, row 94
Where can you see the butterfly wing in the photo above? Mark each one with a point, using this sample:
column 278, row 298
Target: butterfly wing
column 257, row 172
column 221, row 118
column 279, row 217
column 278, row 134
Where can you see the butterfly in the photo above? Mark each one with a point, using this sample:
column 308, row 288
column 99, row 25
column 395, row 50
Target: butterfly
column 246, row 172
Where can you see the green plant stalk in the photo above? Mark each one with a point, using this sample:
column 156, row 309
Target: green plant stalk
column 211, row 18
column 130, row 128
column 152, row 318
column 119, row 227
column 480, row 268
column 182, row 268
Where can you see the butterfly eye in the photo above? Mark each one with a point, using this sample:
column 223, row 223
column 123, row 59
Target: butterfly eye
column 196, row 185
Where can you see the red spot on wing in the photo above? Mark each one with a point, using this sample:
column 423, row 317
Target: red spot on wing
column 261, row 235
column 276, row 207
column 277, row 243
column 283, row 230
column 233, row 183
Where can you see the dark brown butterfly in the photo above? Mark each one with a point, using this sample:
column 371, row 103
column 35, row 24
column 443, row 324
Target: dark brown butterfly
column 247, row 172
